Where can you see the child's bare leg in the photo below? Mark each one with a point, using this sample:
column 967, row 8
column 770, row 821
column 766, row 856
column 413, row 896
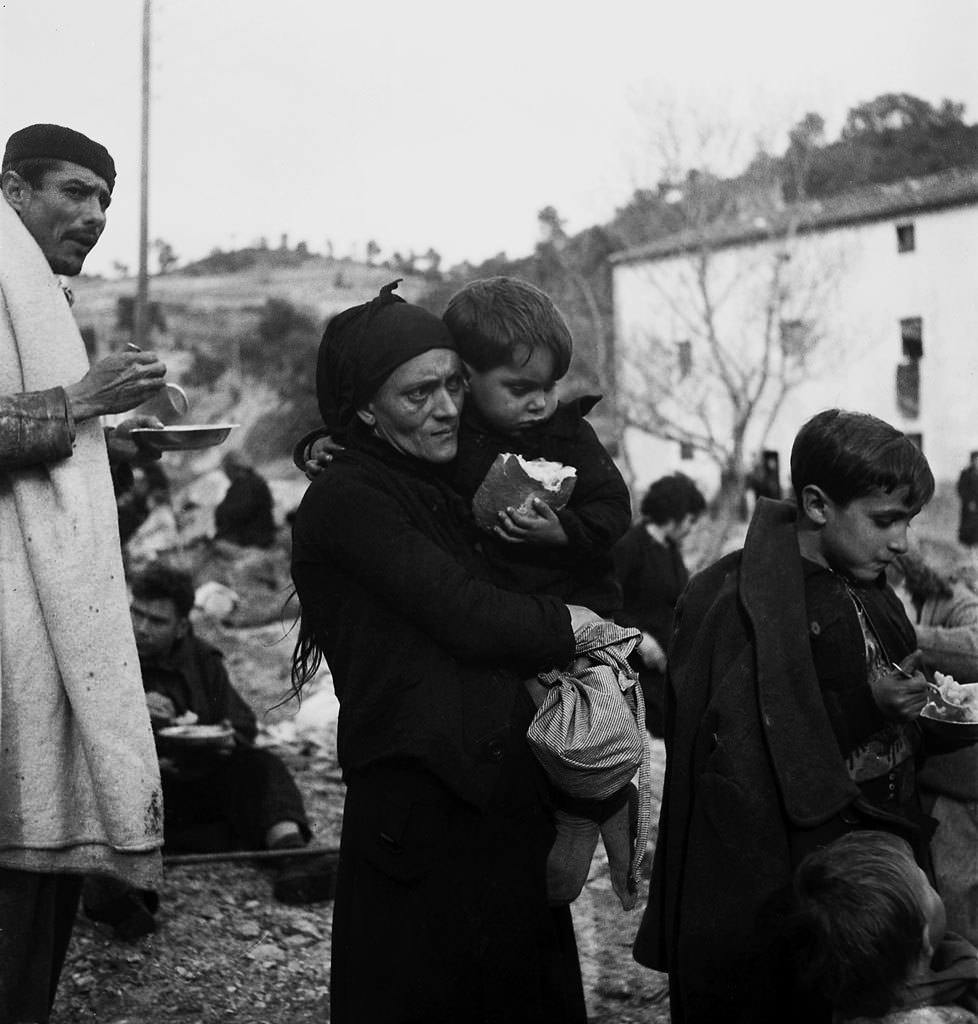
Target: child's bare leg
column 570, row 856
column 618, row 835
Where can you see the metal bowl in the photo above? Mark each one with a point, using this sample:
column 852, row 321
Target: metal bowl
column 950, row 728
column 183, row 437
column 197, row 735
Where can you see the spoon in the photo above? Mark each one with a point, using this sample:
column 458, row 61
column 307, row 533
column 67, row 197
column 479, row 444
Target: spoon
column 933, row 687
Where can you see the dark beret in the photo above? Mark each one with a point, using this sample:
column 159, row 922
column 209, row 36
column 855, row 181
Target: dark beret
column 364, row 345
column 53, row 142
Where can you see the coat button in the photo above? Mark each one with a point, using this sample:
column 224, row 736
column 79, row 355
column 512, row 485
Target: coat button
column 814, row 628
column 495, row 750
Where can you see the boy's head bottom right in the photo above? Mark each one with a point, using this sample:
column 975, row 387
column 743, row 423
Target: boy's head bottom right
column 858, row 482
column 867, row 919
column 515, row 345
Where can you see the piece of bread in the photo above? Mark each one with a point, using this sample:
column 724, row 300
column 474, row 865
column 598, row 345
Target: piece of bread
column 513, row 482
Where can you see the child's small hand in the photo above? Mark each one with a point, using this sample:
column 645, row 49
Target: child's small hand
column 901, row 694
column 538, row 526
column 320, row 454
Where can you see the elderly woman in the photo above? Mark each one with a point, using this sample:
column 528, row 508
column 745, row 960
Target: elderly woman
column 441, row 910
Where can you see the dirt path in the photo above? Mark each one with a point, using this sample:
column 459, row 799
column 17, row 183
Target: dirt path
column 225, row 950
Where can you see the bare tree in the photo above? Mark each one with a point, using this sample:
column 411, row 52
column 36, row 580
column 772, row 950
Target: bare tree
column 166, row 258
column 728, row 331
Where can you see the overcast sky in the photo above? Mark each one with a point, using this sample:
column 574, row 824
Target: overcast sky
column 444, row 123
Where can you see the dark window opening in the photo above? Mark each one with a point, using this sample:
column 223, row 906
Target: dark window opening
column 906, row 241
column 908, row 389
column 912, row 336
column 795, row 337
column 685, row 451
column 684, row 353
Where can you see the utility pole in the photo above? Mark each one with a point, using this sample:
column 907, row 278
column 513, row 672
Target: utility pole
column 141, row 311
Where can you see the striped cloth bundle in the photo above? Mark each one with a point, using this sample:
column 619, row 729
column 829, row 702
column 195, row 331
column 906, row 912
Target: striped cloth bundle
column 589, row 732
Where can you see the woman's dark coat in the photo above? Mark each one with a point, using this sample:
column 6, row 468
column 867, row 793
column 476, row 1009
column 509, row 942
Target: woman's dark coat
column 441, row 909
column 652, row 576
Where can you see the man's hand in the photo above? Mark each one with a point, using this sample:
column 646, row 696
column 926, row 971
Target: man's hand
column 161, row 709
column 123, row 447
column 320, row 454
column 538, row 526
column 901, row 694
column 117, row 383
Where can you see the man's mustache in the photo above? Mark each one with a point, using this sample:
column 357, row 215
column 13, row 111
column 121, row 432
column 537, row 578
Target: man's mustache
column 88, row 238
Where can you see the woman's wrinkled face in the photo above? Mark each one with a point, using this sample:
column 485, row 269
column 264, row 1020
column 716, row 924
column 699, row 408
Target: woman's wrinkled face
column 416, row 409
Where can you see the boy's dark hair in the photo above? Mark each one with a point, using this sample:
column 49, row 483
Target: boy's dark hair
column 159, row 580
column 500, row 320
column 671, row 498
column 859, row 921
column 851, row 454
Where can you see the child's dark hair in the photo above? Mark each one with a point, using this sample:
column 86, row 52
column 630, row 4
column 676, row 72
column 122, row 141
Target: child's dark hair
column 858, row 920
column 672, row 498
column 851, row 454
column 161, row 581
column 500, row 320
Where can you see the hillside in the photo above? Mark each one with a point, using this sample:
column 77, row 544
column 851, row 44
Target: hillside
column 242, row 344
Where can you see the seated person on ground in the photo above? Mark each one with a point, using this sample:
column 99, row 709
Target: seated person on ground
column 244, row 517
column 872, row 936
column 232, row 796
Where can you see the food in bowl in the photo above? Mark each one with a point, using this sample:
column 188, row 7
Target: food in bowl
column 956, row 702
column 513, row 482
column 194, row 734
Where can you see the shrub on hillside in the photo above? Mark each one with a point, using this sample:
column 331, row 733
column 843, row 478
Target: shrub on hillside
column 284, row 345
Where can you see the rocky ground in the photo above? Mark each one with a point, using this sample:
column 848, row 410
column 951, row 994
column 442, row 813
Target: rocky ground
column 225, row 950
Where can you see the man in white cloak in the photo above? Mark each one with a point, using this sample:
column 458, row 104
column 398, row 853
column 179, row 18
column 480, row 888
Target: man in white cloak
column 79, row 781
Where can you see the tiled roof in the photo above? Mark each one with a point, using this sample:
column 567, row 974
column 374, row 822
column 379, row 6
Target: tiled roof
column 956, row 187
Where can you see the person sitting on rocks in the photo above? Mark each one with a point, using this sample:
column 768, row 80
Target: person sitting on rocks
column 244, row 517
column 232, row 795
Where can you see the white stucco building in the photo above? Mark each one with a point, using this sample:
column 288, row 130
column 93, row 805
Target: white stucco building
column 876, row 289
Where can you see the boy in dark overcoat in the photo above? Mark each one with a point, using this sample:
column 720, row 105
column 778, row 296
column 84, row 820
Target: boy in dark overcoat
column 791, row 717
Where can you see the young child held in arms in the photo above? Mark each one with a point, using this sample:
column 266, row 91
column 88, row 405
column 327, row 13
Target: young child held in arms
column 516, row 346
column 873, row 940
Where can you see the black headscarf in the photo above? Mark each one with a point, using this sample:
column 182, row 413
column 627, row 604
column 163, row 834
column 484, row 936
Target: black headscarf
column 363, row 345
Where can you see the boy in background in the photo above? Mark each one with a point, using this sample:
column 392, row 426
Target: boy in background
column 872, row 937
column 791, row 705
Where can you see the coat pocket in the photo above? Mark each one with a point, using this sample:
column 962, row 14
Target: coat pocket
column 405, row 837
